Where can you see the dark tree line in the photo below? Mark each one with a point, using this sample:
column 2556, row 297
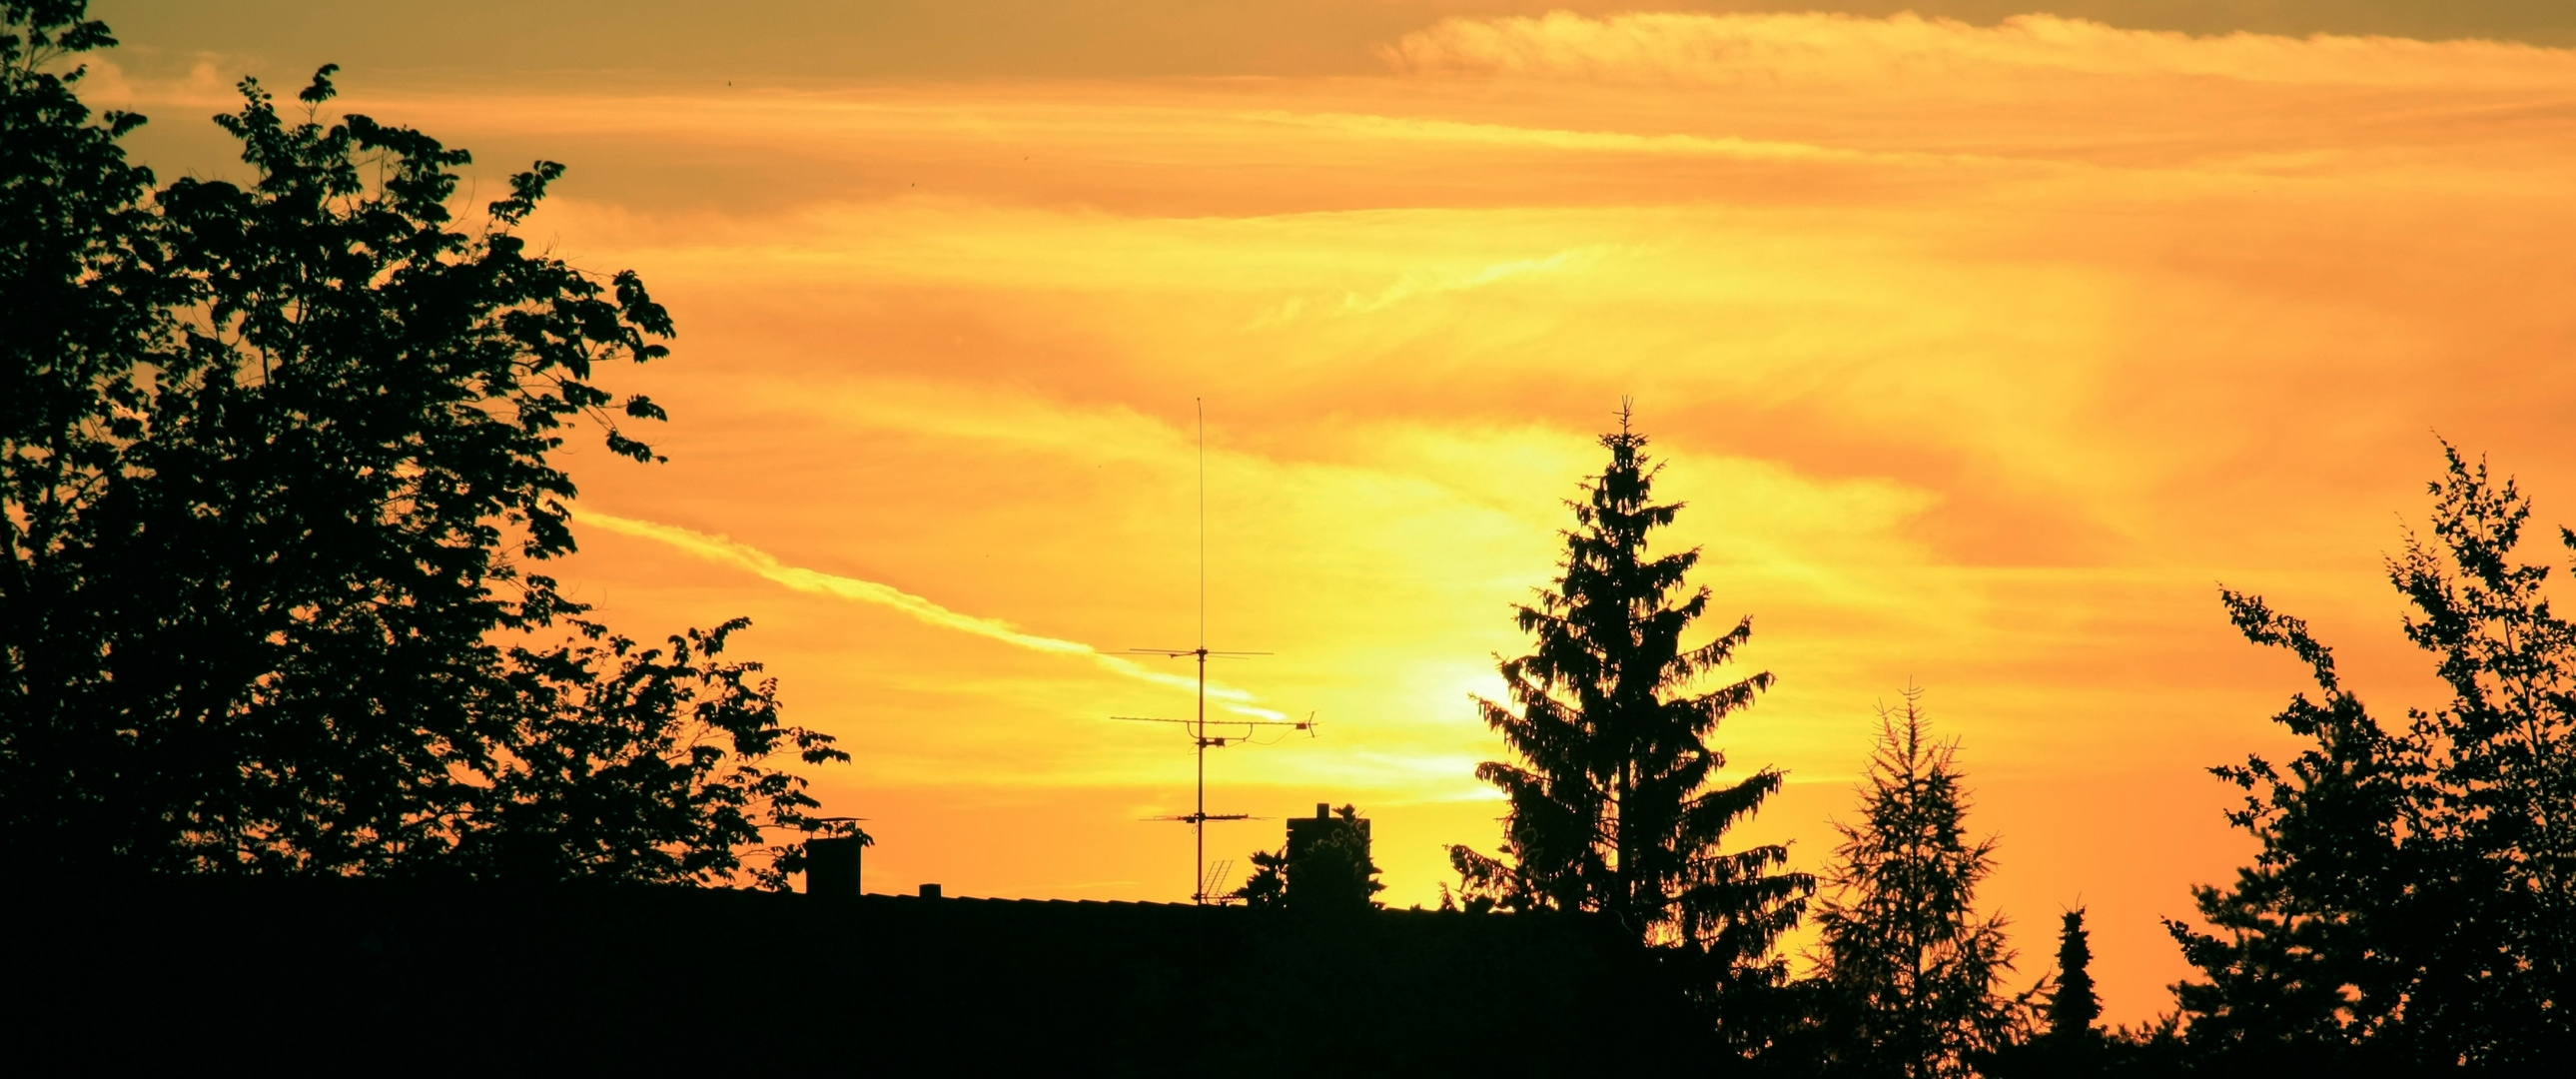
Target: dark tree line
column 278, row 478
column 1616, row 808
column 2412, row 902
column 2411, row 908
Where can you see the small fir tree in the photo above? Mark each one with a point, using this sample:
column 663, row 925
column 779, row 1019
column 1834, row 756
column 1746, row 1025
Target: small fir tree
column 1911, row 971
column 1615, row 805
column 2072, row 1005
column 2072, row 1046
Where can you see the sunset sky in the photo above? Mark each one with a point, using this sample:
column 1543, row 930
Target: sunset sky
column 1983, row 345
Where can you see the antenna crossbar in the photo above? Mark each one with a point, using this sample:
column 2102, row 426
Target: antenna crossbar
column 1299, row 724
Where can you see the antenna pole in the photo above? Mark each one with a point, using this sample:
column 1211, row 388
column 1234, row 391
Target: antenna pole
column 1198, row 826
column 1203, row 889
column 1201, row 403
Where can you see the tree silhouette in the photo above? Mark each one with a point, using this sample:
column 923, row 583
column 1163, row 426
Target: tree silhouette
column 2410, row 906
column 1325, row 867
column 1911, row 970
column 1267, row 886
column 278, row 462
column 1614, row 804
column 2072, row 1005
column 2072, row 1045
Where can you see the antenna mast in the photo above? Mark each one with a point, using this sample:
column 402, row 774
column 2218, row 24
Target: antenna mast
column 1200, row 403
column 1198, row 828
column 1206, row 883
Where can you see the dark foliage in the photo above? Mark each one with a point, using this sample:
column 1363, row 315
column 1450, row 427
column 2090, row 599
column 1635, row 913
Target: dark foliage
column 1326, row 867
column 1613, row 801
column 2411, row 905
column 1267, row 887
column 2072, row 1005
column 2072, row 1045
column 1908, row 973
column 274, row 464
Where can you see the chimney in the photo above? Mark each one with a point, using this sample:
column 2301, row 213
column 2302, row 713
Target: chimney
column 1305, row 832
column 930, row 891
column 1328, row 862
column 832, row 866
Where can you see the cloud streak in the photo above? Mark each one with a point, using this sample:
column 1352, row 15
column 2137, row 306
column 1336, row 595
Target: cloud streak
column 743, row 556
column 1765, row 49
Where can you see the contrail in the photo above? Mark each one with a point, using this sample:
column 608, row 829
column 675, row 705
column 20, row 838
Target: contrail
column 739, row 555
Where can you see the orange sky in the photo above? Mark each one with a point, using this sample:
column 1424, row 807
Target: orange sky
column 1982, row 353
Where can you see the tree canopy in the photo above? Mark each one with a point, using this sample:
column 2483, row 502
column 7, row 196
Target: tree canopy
column 1615, row 801
column 2072, row 1005
column 2411, row 902
column 277, row 469
column 1910, row 972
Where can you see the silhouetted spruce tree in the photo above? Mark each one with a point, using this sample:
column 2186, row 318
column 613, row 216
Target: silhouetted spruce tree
column 1614, row 804
column 2411, row 903
column 1911, row 971
column 276, row 463
column 2072, row 1005
column 2072, row 1045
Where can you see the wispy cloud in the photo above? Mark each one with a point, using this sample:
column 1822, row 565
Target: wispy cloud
column 1415, row 285
column 1767, row 48
column 726, row 550
column 1415, row 129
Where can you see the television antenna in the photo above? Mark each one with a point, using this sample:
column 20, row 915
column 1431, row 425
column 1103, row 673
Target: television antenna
column 1208, row 883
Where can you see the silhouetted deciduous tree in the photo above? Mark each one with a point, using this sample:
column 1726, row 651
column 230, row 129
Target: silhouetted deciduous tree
column 1910, row 971
column 2411, row 905
column 276, row 462
column 1614, row 800
column 1267, row 886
